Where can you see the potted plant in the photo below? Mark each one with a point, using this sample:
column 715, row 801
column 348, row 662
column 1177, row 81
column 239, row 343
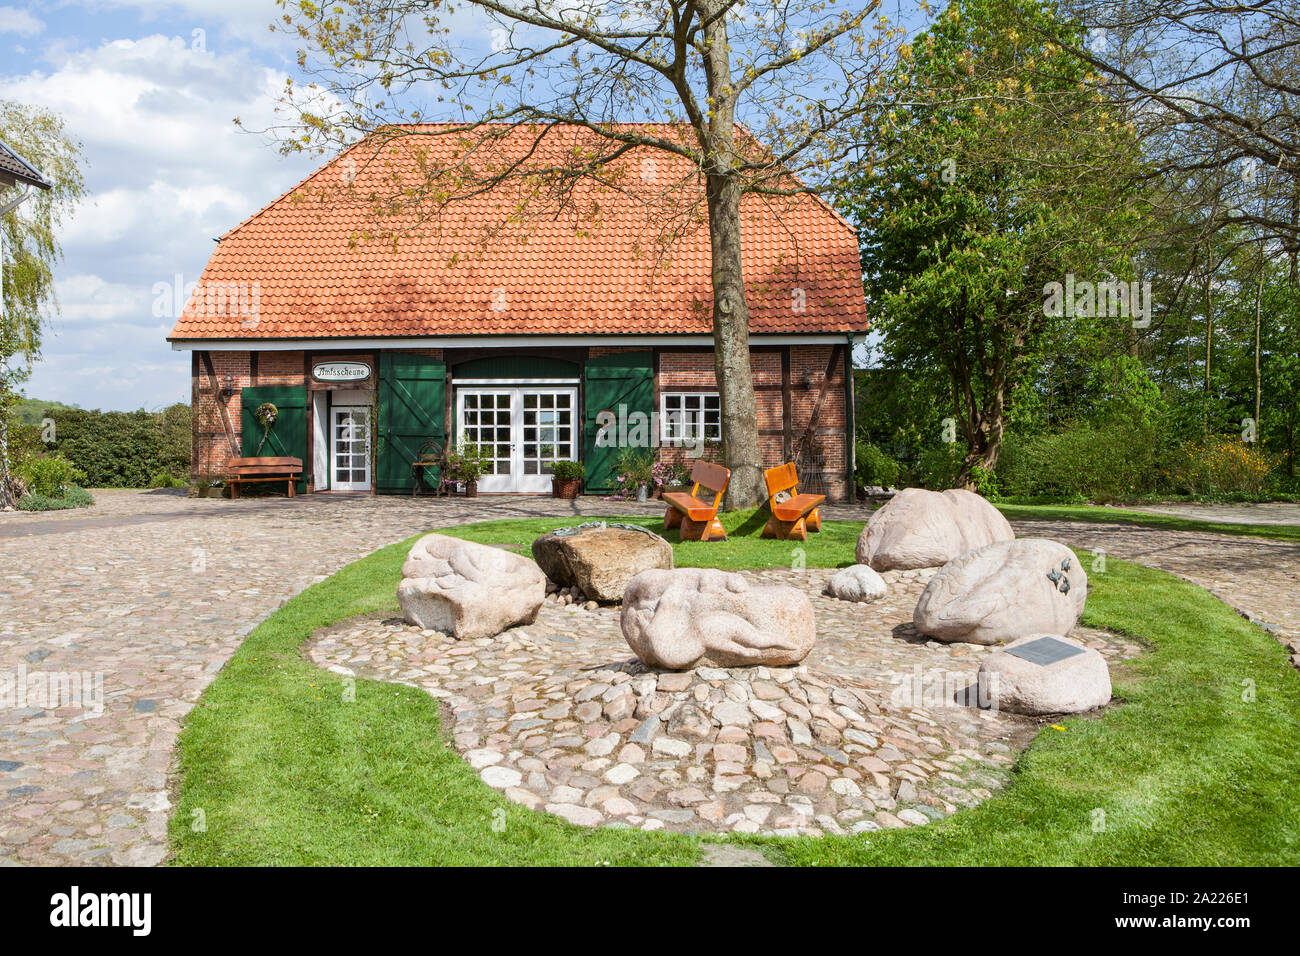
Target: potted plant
column 635, row 474
column 670, row 476
column 566, row 478
column 206, row 485
column 466, row 463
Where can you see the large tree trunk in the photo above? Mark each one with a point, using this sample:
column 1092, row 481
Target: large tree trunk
column 983, row 441
column 731, row 346
column 730, row 310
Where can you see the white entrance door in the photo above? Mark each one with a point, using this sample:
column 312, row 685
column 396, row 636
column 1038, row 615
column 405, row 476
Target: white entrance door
column 520, row 431
column 350, row 448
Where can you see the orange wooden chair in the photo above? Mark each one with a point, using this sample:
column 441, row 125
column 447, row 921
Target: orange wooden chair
column 697, row 518
column 793, row 514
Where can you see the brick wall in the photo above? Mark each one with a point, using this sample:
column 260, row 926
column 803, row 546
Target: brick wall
column 213, row 423
column 687, row 371
column 280, row 368
column 808, row 364
column 431, row 353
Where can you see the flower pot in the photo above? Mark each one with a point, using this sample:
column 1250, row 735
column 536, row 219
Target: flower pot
column 471, row 489
column 566, row 489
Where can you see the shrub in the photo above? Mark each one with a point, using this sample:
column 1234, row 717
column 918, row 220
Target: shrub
column 632, row 470
column 162, row 479
column 1099, row 463
column 874, row 467
column 1218, row 466
column 467, row 463
column 985, row 482
column 567, row 470
column 75, row 497
column 937, row 466
column 120, row 449
column 49, row 477
column 671, row 474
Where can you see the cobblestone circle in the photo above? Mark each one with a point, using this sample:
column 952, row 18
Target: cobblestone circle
column 875, row 729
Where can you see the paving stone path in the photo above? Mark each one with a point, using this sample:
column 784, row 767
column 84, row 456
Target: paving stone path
column 150, row 592
column 1267, row 513
column 873, row 730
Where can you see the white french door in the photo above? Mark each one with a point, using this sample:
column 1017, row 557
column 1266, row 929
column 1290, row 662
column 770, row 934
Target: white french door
column 350, row 448
column 520, row 431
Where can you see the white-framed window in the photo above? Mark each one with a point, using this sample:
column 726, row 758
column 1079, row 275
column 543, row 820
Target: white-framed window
column 690, row 416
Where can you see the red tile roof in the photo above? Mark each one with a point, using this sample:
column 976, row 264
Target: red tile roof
column 318, row 262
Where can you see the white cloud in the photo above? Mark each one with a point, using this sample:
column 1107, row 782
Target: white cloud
column 13, row 20
column 112, row 366
column 168, row 171
column 88, row 298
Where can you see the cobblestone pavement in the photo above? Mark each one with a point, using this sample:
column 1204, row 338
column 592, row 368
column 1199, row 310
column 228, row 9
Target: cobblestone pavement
column 138, row 602
column 875, row 729
column 153, row 591
column 1269, row 512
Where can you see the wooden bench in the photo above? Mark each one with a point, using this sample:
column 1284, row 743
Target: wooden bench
column 793, row 514
column 698, row 519
column 246, row 471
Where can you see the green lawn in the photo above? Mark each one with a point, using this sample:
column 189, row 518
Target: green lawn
column 831, row 547
column 1143, row 519
column 285, row 771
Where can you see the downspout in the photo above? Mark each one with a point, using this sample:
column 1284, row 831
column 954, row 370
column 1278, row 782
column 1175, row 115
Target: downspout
column 14, row 204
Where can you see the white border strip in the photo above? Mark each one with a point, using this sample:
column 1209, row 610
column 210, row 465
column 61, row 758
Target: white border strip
column 479, row 341
column 513, row 381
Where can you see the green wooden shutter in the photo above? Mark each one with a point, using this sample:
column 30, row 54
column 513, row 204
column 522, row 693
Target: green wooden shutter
column 621, row 379
column 412, row 410
column 288, row 436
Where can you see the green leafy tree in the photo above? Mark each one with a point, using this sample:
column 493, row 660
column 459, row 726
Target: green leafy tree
column 31, row 249
column 1004, row 171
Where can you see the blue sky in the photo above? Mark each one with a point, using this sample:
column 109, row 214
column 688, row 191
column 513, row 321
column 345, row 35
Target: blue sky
column 150, row 89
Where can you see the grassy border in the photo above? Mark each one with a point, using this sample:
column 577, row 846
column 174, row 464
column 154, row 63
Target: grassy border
column 1186, row 771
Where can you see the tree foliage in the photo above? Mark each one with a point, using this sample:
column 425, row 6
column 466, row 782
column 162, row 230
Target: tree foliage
column 31, row 248
column 1007, row 171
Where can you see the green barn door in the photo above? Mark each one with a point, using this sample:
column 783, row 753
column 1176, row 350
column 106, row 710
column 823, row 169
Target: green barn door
column 288, row 436
column 412, row 410
column 623, row 379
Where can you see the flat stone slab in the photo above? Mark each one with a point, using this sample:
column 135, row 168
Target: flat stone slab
column 1044, row 650
column 1045, row 675
column 727, row 854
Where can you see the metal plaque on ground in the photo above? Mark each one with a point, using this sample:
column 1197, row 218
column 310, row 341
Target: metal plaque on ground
column 1045, row 650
